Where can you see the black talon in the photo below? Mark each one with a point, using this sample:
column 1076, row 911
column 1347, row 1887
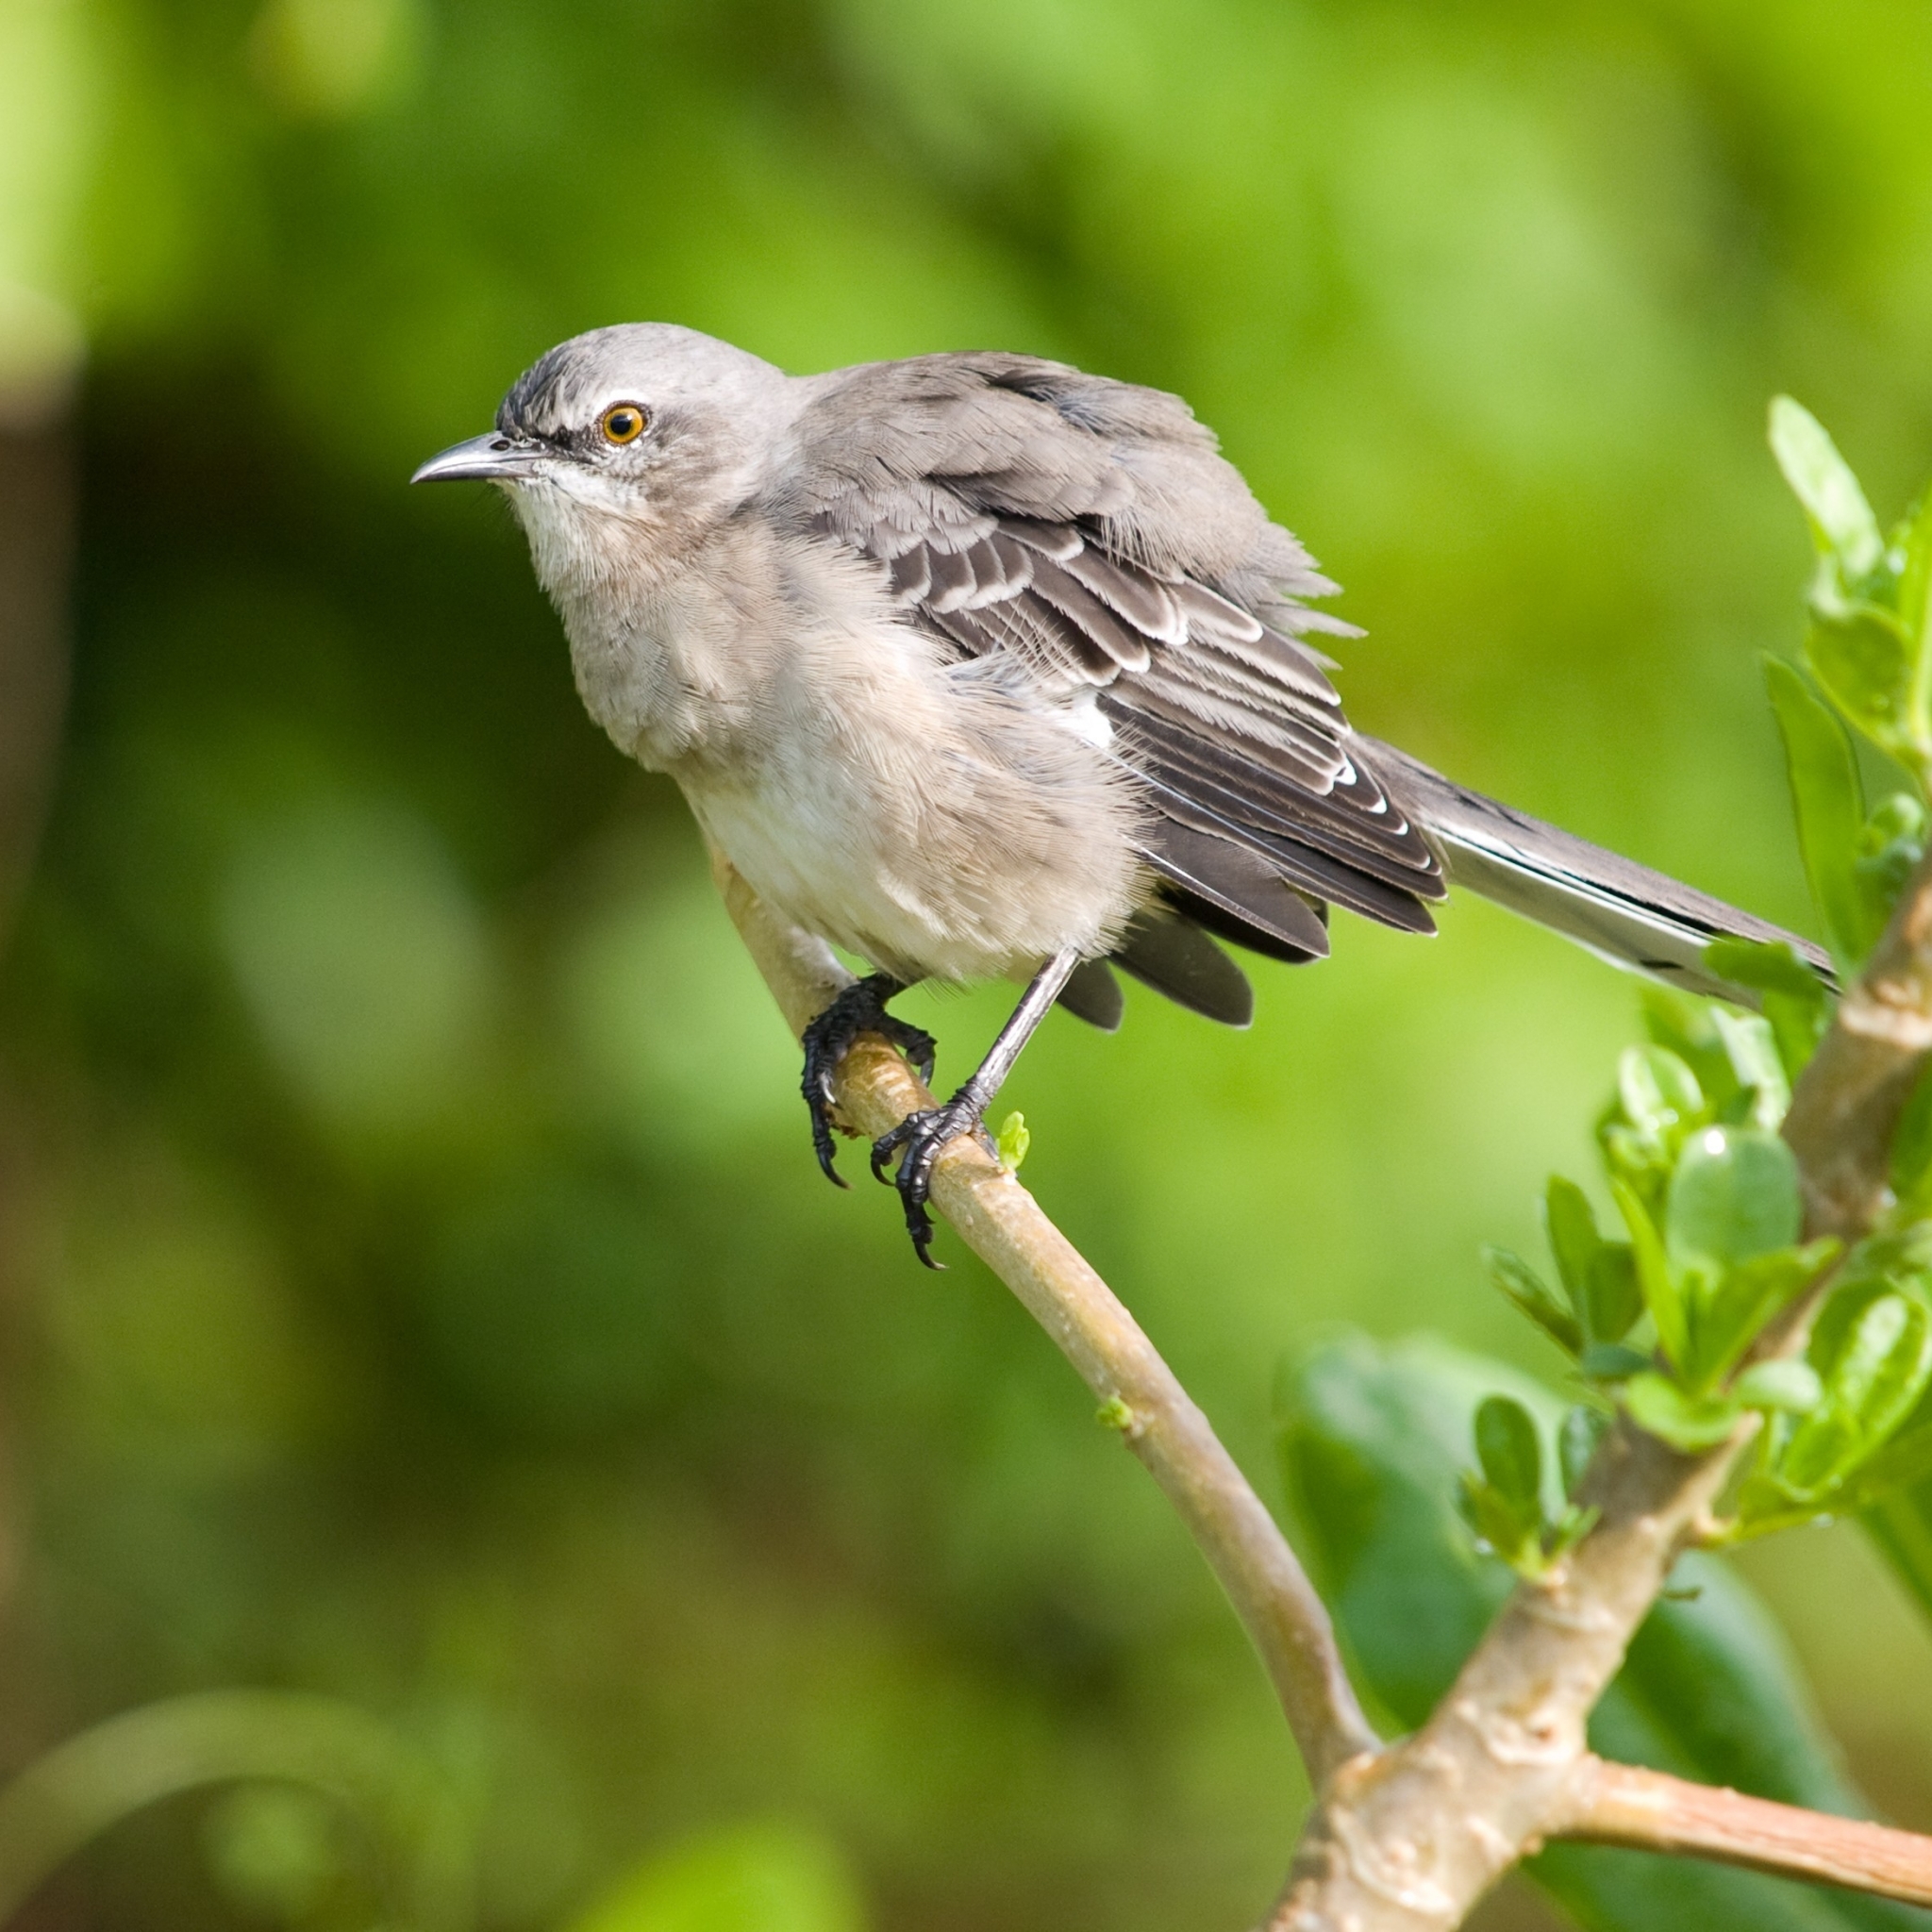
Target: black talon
column 860, row 1009
column 918, row 1141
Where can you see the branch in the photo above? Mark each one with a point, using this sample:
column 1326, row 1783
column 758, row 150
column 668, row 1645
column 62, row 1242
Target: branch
column 1002, row 1224
column 1412, row 1838
column 1649, row 1812
column 1847, row 1104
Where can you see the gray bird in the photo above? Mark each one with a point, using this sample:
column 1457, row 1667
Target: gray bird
column 978, row 666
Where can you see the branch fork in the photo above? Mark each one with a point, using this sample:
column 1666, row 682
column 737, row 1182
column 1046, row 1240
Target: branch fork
column 1406, row 1837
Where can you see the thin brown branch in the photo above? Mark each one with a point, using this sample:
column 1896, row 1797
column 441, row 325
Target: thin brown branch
column 1412, row 1838
column 1846, row 1106
column 1003, row 1225
column 1647, row 1810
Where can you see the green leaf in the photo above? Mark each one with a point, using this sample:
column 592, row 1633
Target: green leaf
column 1654, row 1276
column 1527, row 1288
column 1616, row 1298
column 1891, row 844
column 1880, row 1369
column 1731, row 1312
column 1687, row 1026
column 1830, row 804
column 1013, row 1141
column 1843, row 525
column 1659, row 1094
column 1689, row 1423
column 1859, row 655
column 1370, row 1440
column 1500, row 1524
column 1791, row 1387
column 1771, row 965
column 1797, row 1025
column 1570, row 1225
column 1912, row 540
column 1582, row 1429
column 1510, row 1452
column 1609, row 1361
column 1752, row 1049
column 1871, row 1348
column 1734, row 1195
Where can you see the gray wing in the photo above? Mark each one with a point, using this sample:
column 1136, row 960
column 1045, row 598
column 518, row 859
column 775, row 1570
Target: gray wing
column 1088, row 531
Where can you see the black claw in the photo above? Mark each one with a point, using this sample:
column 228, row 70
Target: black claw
column 860, row 1009
column 918, row 1141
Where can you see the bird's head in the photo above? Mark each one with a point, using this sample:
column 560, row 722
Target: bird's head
column 644, row 425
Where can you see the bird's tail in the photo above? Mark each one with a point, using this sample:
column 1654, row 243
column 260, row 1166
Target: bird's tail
column 1621, row 911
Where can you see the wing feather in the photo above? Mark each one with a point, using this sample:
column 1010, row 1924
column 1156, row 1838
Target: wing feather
column 1089, row 532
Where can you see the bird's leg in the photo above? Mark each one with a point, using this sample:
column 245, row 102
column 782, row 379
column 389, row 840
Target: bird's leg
column 860, row 1009
column 917, row 1139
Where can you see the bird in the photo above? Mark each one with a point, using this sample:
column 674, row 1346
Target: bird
column 981, row 667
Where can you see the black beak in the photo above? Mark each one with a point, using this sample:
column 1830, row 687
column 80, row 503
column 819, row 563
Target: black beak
column 491, row 459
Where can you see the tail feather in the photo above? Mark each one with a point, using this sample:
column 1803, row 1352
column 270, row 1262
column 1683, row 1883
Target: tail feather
column 1620, row 910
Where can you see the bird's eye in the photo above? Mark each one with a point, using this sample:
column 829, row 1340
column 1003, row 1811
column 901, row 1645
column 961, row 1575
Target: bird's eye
column 625, row 422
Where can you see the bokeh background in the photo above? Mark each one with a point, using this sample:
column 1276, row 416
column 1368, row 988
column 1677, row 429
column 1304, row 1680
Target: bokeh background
column 417, row 1290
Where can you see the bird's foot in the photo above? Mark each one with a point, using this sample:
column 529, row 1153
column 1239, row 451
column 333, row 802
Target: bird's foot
column 860, row 1009
column 918, row 1141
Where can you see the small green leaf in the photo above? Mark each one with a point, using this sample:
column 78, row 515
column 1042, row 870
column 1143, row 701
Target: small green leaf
column 1730, row 1314
column 1797, row 1025
column 1500, row 1524
column 1734, row 1195
column 1115, row 1414
column 1581, row 1430
column 1616, row 1300
column 1892, row 842
column 1859, row 655
column 1687, row 1026
column 1609, row 1361
column 1658, row 1093
column 1689, row 1423
column 1523, row 1286
column 1791, row 1387
column 1653, row 1275
column 1828, row 801
column 1570, row 1225
column 1013, row 1141
column 1510, row 1452
column 1884, row 1363
column 1770, row 965
column 1752, row 1049
column 1841, row 522
column 1912, row 540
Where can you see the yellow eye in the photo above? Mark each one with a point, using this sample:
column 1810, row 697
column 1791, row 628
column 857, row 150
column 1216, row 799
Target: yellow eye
column 625, row 422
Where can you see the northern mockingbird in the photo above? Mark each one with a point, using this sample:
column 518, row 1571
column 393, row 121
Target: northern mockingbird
column 978, row 666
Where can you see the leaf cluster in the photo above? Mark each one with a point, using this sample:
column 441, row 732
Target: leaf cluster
column 1663, row 1320
column 1867, row 644
column 1369, row 1436
column 1505, row 1504
column 1709, row 1252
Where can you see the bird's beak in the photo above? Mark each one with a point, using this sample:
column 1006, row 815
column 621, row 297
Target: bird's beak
column 489, row 459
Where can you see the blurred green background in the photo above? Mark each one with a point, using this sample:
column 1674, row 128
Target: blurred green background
column 417, row 1290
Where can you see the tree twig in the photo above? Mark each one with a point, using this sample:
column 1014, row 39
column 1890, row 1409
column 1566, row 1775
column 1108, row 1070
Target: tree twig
column 1005, row 1226
column 1411, row 1837
column 1648, row 1810
column 1847, row 1104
